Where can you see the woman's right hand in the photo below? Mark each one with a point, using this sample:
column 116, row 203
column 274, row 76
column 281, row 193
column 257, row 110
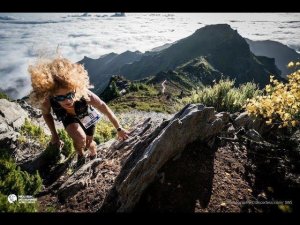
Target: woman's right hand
column 56, row 141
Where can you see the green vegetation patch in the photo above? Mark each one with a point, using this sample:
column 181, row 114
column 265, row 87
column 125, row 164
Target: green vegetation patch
column 223, row 96
column 15, row 181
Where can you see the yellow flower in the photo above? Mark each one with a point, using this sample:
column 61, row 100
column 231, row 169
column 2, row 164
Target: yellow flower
column 286, row 116
column 290, row 65
column 268, row 88
column 294, row 123
column 285, row 124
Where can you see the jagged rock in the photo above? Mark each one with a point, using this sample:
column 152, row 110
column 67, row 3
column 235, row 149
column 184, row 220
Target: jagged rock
column 31, row 164
column 8, row 139
column 111, row 151
column 79, row 180
column 233, row 116
column 225, row 116
column 33, row 112
column 231, row 130
column 126, row 174
column 244, row 120
column 12, row 113
column 194, row 122
column 42, row 160
column 126, row 168
column 254, row 135
column 12, row 117
column 3, row 126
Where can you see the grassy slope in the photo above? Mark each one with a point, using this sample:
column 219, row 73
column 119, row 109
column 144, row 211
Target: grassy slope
column 179, row 83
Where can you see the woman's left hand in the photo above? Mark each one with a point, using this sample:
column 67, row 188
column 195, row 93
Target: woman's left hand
column 123, row 134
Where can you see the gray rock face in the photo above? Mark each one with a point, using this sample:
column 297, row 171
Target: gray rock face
column 12, row 114
column 33, row 112
column 8, row 139
column 194, row 122
column 12, row 117
column 101, row 172
column 244, row 120
column 4, row 127
column 79, row 180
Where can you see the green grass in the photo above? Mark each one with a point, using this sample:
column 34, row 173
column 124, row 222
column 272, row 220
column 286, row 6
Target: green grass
column 15, row 181
column 142, row 104
column 68, row 148
column 4, row 96
column 143, row 97
column 32, row 131
column 223, row 96
column 104, row 131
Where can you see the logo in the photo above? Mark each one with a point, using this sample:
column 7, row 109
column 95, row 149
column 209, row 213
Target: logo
column 12, row 198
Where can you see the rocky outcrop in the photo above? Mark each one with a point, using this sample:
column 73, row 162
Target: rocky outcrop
column 193, row 123
column 101, row 172
column 175, row 163
column 33, row 112
column 12, row 117
column 115, row 180
column 12, row 113
column 194, row 161
column 245, row 121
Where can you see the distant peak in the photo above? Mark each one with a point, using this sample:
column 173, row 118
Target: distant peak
column 216, row 27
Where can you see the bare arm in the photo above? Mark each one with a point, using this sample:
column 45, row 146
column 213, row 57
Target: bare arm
column 103, row 108
column 46, row 112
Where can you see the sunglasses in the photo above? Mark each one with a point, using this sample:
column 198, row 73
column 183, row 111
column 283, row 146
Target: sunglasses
column 60, row 98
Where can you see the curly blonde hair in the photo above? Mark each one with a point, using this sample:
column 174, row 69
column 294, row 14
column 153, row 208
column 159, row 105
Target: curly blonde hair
column 47, row 76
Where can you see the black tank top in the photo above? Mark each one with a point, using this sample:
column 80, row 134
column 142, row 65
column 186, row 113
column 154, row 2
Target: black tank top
column 80, row 107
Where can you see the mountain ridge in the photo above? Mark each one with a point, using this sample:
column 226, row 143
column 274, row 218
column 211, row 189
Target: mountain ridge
column 222, row 47
column 273, row 49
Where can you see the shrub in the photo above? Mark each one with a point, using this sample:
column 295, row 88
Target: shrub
column 68, row 148
column 32, row 131
column 280, row 105
column 223, row 96
column 111, row 92
column 6, row 206
column 52, row 153
column 133, row 87
column 104, row 131
column 15, row 181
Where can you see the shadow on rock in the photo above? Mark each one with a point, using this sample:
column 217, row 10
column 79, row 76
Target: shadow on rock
column 183, row 183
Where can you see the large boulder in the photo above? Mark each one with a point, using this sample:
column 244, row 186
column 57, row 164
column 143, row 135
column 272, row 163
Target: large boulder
column 12, row 114
column 12, row 117
column 193, row 123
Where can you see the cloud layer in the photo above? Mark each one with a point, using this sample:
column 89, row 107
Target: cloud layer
column 24, row 36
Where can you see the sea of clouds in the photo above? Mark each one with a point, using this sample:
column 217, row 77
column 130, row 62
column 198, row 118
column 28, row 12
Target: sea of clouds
column 25, row 36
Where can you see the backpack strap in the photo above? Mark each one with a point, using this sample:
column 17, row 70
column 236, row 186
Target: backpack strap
column 81, row 108
column 59, row 111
